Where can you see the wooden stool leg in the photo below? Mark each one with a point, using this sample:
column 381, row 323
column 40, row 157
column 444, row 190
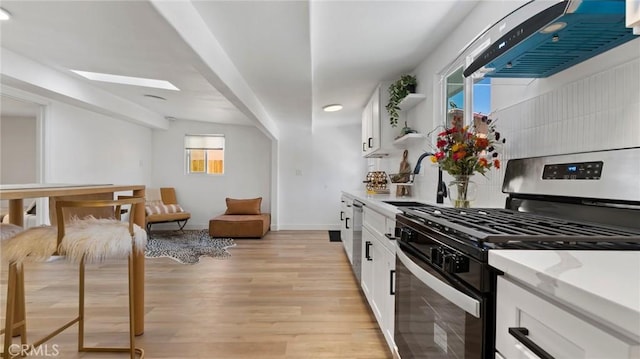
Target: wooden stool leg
column 21, row 311
column 9, row 314
column 132, row 303
column 81, row 306
column 15, row 315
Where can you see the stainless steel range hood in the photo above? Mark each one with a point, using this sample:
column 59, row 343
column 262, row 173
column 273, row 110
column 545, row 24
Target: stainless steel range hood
column 551, row 40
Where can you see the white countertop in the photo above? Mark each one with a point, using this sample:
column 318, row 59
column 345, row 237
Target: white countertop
column 376, row 201
column 604, row 285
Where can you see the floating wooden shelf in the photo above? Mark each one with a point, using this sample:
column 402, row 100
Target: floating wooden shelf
column 409, row 137
column 411, row 101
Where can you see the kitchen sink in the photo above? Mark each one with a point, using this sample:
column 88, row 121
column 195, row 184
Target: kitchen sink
column 405, row 203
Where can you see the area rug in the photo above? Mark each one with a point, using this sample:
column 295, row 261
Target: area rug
column 187, row 247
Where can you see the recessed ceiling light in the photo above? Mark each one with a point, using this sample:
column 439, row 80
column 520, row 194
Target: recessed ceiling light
column 4, row 14
column 127, row 80
column 553, row 27
column 332, row 108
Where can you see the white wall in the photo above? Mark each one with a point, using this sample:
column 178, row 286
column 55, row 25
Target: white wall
column 425, row 117
column 591, row 106
column 314, row 167
column 247, row 166
column 82, row 146
column 18, row 150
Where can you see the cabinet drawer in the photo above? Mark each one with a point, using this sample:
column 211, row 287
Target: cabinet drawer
column 554, row 328
column 375, row 221
column 390, row 226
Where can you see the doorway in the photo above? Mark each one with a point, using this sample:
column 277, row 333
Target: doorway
column 20, row 150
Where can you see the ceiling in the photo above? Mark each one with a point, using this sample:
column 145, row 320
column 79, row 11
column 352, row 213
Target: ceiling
column 293, row 56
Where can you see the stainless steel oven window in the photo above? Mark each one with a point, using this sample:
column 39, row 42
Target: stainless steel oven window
column 430, row 319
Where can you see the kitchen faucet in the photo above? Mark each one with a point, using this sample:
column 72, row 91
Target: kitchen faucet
column 442, row 188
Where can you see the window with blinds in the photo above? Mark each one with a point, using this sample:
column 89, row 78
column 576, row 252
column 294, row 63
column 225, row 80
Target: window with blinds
column 204, row 153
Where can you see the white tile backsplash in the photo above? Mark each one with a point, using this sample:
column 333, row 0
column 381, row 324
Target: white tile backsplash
column 601, row 111
column 598, row 112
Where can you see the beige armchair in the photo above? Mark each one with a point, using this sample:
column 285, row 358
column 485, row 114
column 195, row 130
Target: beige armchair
column 162, row 207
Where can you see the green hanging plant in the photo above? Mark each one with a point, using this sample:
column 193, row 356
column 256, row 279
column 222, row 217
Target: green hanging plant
column 397, row 92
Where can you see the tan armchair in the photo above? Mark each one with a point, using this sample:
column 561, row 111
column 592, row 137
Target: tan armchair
column 162, row 207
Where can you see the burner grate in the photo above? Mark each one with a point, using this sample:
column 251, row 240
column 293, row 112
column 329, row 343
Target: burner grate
column 495, row 225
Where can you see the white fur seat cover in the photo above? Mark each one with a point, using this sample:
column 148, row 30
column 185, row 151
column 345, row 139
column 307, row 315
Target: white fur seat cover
column 33, row 244
column 96, row 239
column 9, row 230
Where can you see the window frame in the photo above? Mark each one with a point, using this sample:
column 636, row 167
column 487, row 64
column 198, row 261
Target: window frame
column 204, row 143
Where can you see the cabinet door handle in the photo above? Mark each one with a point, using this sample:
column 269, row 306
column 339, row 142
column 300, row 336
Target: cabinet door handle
column 342, row 215
column 346, row 223
column 367, row 245
column 521, row 335
column 370, row 142
column 364, row 145
column 392, row 277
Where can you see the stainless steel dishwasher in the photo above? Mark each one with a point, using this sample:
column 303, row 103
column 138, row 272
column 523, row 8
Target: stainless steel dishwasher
column 357, row 239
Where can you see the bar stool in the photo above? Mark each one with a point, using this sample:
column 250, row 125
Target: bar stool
column 82, row 241
column 7, row 231
column 93, row 240
column 17, row 246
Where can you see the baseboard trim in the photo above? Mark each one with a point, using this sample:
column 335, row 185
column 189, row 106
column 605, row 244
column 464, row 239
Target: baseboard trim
column 274, row 227
column 307, row 227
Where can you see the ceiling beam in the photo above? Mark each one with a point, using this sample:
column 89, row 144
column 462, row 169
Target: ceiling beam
column 28, row 75
column 215, row 65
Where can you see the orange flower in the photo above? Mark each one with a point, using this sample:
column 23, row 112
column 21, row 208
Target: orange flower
column 496, row 163
column 482, row 143
column 434, row 159
column 459, row 155
column 483, row 162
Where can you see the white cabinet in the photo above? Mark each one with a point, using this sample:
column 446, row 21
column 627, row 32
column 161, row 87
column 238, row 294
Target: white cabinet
column 367, row 279
column 377, row 134
column 525, row 316
column 371, row 125
column 378, row 269
column 346, row 226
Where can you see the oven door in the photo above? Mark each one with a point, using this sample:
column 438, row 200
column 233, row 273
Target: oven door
column 435, row 317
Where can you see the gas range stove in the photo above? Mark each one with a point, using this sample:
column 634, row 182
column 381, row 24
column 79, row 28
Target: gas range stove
column 495, row 227
column 539, row 214
column 554, row 202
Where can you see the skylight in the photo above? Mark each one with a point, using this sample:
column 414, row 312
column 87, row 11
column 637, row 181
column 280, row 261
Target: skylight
column 127, row 80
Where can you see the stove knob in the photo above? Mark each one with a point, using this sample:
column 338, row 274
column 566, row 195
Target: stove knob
column 407, row 235
column 454, row 263
column 436, row 256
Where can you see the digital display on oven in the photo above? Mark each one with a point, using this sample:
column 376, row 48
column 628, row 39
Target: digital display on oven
column 573, row 171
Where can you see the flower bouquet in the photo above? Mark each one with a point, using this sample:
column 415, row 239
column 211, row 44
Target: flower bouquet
column 463, row 151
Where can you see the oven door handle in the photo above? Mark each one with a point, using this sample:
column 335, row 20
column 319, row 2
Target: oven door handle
column 460, row 299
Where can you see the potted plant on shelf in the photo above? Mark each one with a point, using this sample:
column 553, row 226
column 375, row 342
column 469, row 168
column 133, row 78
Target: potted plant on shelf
column 397, row 92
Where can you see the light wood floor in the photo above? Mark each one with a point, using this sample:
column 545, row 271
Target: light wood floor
column 290, row 295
